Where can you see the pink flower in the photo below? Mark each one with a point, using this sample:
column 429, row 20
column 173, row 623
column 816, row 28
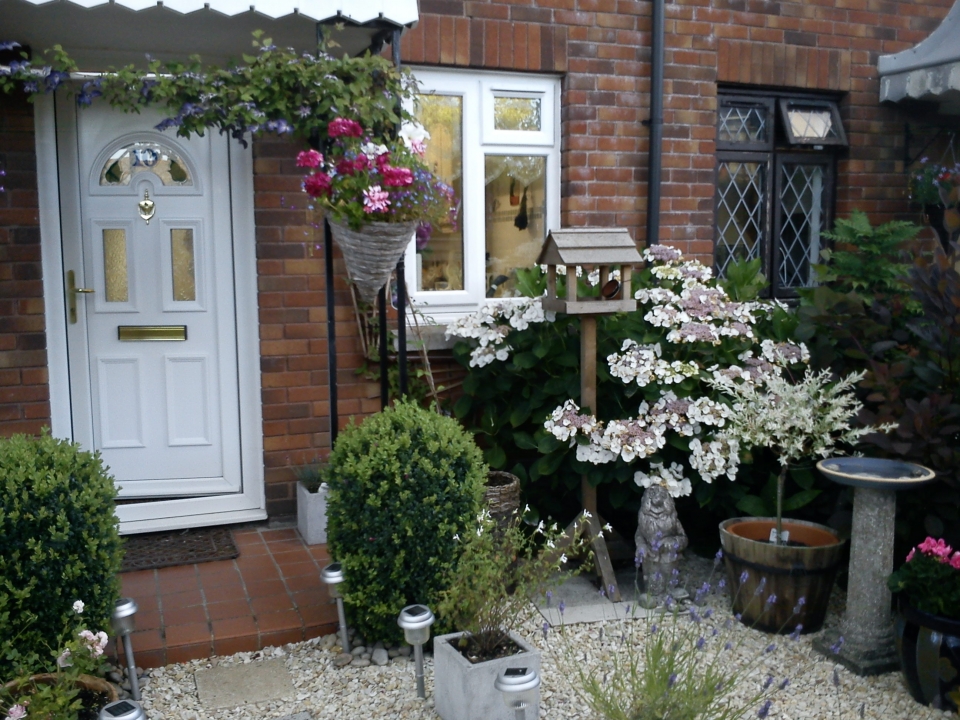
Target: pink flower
column 343, row 127
column 911, row 554
column 65, row 660
column 95, row 643
column 309, row 159
column 317, row 184
column 375, row 199
column 396, row 176
column 16, row 712
column 936, row 548
column 955, row 561
column 418, row 147
column 349, row 167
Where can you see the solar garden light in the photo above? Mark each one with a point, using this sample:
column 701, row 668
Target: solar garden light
column 416, row 621
column 519, row 688
column 332, row 575
column 122, row 710
column 123, row 624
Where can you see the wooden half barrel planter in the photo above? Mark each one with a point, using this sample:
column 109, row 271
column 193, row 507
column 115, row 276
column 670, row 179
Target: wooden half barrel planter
column 806, row 569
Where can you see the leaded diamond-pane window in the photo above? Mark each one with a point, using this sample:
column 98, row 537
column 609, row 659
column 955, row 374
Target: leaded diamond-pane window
column 812, row 122
column 802, row 199
column 741, row 188
column 774, row 194
column 745, row 124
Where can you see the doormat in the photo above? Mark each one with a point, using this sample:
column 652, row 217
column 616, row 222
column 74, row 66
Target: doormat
column 181, row 547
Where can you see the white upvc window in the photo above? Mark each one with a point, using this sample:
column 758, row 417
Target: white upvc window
column 494, row 137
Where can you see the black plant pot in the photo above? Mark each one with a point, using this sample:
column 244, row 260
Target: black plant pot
column 929, row 649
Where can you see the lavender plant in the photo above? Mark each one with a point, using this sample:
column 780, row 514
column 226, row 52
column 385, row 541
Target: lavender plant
column 684, row 663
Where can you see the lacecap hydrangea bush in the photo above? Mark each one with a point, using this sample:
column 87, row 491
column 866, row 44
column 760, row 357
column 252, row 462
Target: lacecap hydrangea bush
column 59, row 543
column 401, row 485
column 659, row 411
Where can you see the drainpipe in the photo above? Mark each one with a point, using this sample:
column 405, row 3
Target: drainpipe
column 655, row 154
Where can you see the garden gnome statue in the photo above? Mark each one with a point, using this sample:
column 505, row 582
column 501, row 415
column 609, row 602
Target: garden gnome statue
column 660, row 539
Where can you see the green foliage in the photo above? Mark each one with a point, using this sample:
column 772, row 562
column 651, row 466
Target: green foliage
column 868, row 260
column 402, row 484
column 58, row 544
column 907, row 338
column 502, row 571
column 311, row 475
column 930, row 578
column 275, row 90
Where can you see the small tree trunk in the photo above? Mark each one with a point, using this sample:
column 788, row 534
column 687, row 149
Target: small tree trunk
column 781, row 481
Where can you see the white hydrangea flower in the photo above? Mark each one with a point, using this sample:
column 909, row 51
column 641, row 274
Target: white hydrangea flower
column 672, row 479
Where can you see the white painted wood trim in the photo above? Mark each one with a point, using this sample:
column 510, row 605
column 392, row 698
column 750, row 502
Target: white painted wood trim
column 51, row 259
column 248, row 324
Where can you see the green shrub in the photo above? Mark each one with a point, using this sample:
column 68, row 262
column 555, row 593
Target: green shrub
column 402, row 484
column 58, row 544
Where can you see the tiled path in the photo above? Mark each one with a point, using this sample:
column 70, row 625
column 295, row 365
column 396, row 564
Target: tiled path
column 270, row 595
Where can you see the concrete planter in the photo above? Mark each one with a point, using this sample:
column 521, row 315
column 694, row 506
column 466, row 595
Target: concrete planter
column 464, row 691
column 312, row 514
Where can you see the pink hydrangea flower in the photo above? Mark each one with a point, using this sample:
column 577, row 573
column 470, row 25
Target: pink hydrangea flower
column 375, row 199
column 16, row 712
column 343, row 127
column 309, row 159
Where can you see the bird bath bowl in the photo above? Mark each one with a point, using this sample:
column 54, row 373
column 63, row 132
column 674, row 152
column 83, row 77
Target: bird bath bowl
column 867, row 625
column 875, row 473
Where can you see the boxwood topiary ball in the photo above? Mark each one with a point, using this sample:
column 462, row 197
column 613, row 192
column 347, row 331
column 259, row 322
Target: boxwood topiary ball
column 59, row 543
column 402, row 484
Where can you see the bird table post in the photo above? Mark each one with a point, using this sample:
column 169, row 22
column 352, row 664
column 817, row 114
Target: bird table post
column 588, row 248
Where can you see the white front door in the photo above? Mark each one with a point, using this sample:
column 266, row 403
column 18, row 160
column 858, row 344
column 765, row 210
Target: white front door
column 151, row 311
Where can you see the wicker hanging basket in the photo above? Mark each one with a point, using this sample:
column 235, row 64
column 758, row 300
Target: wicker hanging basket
column 502, row 493
column 371, row 253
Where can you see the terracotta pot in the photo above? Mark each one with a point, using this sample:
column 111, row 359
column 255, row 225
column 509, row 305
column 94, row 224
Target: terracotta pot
column 790, row 572
column 929, row 650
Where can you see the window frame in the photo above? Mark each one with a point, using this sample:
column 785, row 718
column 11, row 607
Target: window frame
column 784, row 104
column 779, row 151
column 476, row 89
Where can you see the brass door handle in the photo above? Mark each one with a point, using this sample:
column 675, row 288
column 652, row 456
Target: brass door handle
column 72, row 292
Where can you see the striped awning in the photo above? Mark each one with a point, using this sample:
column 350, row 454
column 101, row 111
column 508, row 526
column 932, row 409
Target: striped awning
column 101, row 33
column 928, row 71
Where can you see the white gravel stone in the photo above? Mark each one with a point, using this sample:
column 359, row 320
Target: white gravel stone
column 388, row 692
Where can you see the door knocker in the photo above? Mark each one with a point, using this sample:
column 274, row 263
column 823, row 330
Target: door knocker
column 146, row 207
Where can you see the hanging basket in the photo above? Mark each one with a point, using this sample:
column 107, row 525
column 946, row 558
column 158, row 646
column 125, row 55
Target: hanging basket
column 371, row 253
column 502, row 493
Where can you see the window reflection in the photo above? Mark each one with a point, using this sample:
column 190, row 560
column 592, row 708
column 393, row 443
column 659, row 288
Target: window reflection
column 516, row 113
column 145, row 157
column 440, row 256
column 515, row 203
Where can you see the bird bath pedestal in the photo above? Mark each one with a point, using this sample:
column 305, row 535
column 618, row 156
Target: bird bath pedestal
column 867, row 625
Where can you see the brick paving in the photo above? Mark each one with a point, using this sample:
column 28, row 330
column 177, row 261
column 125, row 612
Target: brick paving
column 270, row 595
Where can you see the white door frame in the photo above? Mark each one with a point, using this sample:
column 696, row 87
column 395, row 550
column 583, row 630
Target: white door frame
column 250, row 504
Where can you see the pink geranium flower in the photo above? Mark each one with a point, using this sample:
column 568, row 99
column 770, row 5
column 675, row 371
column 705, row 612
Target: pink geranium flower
column 375, row 199
column 341, row 127
column 936, row 548
column 396, row 176
column 309, row 159
column 955, row 561
column 317, row 184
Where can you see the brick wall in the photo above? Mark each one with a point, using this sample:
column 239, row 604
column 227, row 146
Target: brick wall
column 603, row 48
column 24, row 392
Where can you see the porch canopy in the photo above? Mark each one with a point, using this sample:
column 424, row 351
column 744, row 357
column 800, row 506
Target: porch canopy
column 929, row 71
column 103, row 33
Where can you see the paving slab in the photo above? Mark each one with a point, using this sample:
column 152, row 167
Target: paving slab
column 583, row 602
column 233, row 685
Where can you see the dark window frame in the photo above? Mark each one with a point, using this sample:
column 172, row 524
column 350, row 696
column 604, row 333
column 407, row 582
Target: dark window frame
column 774, row 155
column 785, row 104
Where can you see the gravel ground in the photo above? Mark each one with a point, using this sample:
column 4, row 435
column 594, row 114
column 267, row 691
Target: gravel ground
column 388, row 692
